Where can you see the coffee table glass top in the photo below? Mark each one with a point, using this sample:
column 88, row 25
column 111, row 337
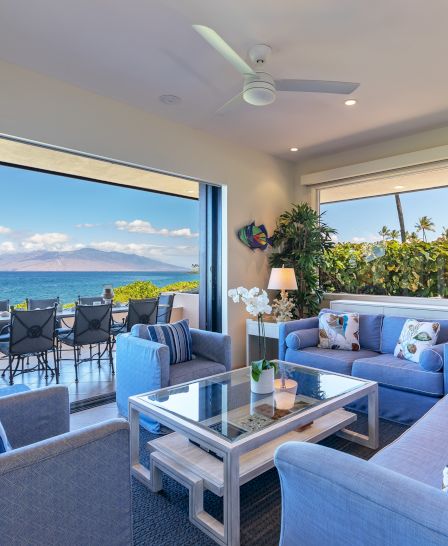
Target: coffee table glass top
column 225, row 405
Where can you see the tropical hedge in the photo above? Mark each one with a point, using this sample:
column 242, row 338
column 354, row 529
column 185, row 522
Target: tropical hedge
column 414, row 268
column 142, row 289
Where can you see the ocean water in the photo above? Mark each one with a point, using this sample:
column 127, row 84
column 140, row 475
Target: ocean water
column 17, row 286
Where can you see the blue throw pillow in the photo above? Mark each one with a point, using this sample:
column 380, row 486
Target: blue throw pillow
column 4, row 444
column 176, row 336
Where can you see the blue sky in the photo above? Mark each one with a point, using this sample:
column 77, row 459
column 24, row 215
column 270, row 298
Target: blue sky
column 361, row 219
column 49, row 212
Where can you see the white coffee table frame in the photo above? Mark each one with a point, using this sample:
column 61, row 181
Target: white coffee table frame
column 228, row 533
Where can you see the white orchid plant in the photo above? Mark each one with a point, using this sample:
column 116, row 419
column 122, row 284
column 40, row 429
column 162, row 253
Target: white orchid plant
column 257, row 304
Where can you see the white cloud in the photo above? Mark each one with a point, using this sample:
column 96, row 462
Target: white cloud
column 7, row 246
column 4, row 230
column 368, row 239
column 147, row 250
column 46, row 241
column 87, row 226
column 141, row 226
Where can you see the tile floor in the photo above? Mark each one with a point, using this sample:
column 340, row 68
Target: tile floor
column 93, row 381
column 84, row 418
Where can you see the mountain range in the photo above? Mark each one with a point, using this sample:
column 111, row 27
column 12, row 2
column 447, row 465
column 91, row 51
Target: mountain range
column 84, row 259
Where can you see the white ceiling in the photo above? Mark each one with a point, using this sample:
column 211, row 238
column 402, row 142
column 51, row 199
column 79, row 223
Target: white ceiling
column 136, row 50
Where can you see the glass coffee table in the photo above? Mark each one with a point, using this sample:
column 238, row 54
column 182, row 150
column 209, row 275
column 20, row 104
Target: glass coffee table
column 224, row 435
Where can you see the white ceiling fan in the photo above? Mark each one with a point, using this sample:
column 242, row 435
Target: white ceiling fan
column 260, row 88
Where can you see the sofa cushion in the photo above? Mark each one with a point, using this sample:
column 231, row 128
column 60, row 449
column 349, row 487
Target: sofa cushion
column 420, row 453
column 339, row 331
column 400, row 374
column 4, row 444
column 392, row 327
column 369, row 330
column 300, row 339
column 415, row 337
column 327, row 359
column 176, row 336
column 195, row 369
column 431, row 359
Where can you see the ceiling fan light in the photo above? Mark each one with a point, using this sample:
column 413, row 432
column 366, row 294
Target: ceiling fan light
column 259, row 96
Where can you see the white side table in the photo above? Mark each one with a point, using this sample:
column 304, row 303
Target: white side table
column 272, row 335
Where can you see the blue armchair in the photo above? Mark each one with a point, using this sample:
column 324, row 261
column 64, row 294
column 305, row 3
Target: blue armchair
column 394, row 499
column 143, row 365
column 61, row 487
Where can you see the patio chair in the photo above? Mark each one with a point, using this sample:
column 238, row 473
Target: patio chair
column 4, row 305
column 90, row 300
column 4, row 323
column 33, row 303
column 142, row 311
column 32, row 333
column 92, row 326
column 165, row 308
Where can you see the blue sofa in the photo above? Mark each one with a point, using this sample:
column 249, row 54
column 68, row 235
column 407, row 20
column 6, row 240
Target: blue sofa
column 407, row 390
column 143, row 365
column 61, row 487
column 394, row 499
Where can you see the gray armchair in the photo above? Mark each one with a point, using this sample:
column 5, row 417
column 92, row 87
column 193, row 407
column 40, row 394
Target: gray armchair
column 60, row 487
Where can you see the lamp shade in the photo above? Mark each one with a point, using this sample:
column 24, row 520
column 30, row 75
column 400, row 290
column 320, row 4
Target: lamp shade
column 282, row 278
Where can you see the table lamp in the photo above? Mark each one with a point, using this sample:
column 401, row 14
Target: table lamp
column 283, row 279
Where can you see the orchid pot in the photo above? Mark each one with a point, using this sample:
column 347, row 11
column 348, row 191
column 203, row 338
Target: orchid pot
column 257, row 304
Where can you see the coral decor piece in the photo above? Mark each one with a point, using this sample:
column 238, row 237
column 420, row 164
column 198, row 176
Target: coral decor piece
column 283, row 307
column 254, row 236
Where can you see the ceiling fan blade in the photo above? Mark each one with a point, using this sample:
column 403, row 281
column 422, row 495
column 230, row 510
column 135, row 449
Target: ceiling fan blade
column 215, row 40
column 221, row 111
column 316, row 86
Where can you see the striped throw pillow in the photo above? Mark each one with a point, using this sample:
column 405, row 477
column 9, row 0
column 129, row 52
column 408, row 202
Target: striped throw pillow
column 4, row 444
column 176, row 336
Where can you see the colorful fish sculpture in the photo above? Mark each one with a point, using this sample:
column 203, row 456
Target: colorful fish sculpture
column 254, row 236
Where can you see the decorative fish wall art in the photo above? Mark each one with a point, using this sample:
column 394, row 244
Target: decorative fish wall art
column 254, row 236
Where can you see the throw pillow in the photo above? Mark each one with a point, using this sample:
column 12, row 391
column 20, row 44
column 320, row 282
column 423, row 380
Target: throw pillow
column 176, row 336
column 339, row 331
column 4, row 444
column 415, row 337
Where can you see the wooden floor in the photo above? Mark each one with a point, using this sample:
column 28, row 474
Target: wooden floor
column 93, row 381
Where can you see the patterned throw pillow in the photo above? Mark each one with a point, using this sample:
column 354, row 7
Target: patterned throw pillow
column 176, row 336
column 4, row 444
column 415, row 337
column 339, row 331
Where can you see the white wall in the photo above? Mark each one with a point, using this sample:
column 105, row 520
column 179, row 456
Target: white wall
column 259, row 187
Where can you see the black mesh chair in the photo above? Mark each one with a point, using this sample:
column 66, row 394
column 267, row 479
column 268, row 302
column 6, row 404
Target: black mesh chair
column 165, row 308
column 32, row 333
column 4, row 305
column 4, row 323
column 33, row 303
column 90, row 300
column 92, row 326
column 142, row 311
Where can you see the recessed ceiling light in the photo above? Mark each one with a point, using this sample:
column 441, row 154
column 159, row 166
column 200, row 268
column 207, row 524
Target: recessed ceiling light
column 350, row 102
column 398, row 187
column 169, row 99
column 294, row 149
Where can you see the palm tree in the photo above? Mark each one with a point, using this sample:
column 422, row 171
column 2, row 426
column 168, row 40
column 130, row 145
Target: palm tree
column 394, row 234
column 400, row 217
column 424, row 224
column 412, row 237
column 384, row 232
column 444, row 234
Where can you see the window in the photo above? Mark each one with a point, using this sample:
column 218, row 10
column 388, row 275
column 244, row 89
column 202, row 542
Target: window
column 392, row 236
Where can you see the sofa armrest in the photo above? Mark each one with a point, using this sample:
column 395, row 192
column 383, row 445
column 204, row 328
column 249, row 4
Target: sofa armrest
column 71, row 489
column 291, row 326
column 432, row 358
column 141, row 366
column 212, row 346
column 32, row 416
column 329, row 497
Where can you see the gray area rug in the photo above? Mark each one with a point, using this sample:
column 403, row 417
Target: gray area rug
column 161, row 519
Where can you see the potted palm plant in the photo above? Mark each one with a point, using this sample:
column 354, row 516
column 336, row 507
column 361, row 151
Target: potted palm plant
column 257, row 304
